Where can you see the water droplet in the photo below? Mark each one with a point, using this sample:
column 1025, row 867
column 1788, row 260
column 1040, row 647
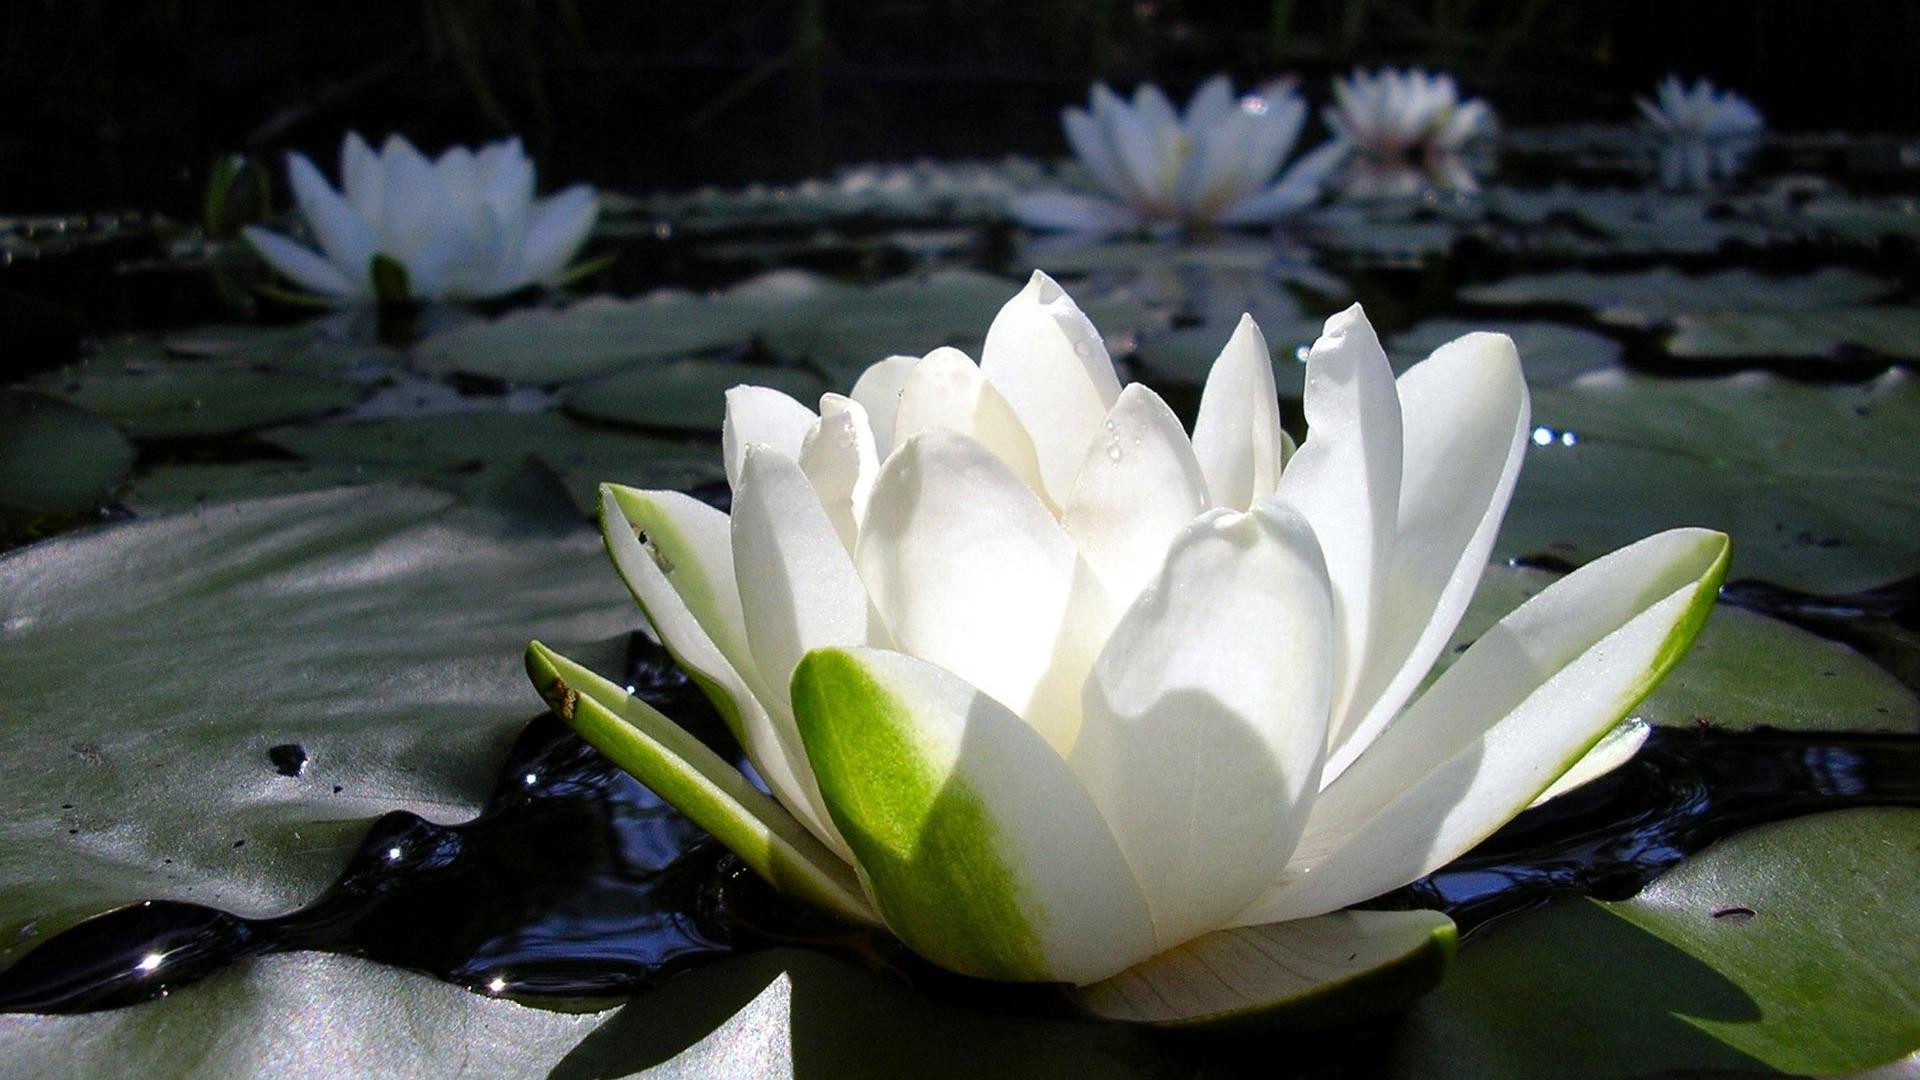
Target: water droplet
column 1543, row 436
column 1569, row 438
column 149, row 963
column 1302, row 352
column 1083, row 348
column 1113, row 451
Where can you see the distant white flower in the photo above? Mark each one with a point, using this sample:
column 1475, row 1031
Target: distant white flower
column 464, row 226
column 1407, row 130
column 1212, row 165
column 1705, row 134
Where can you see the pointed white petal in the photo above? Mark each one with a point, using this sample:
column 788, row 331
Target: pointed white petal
column 1346, row 479
column 1512, row 715
column 682, row 576
column 838, row 457
column 1297, row 189
column 1291, row 975
column 1090, row 144
column 1237, row 436
column 699, row 783
column 947, row 391
column 558, row 227
column 361, row 179
column 1211, row 103
column 761, row 414
column 1069, row 212
column 1465, row 415
column 345, row 238
column 966, row 565
column 878, row 391
column 1205, row 717
column 1614, row 749
column 978, row 845
column 1139, row 487
column 309, row 270
column 1046, row 358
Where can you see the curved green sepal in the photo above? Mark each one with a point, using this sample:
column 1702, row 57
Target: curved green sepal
column 390, row 282
column 1308, row 973
column 699, row 783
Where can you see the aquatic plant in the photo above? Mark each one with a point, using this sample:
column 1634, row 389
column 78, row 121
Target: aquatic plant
column 463, row 226
column 1057, row 693
column 1406, row 130
column 1212, row 164
column 1705, row 135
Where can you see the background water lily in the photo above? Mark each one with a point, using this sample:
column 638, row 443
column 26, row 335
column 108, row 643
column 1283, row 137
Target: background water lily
column 1706, row 134
column 1211, row 164
column 463, row 226
column 1406, row 130
column 1056, row 692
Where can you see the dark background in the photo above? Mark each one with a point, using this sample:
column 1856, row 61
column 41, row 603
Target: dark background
column 122, row 103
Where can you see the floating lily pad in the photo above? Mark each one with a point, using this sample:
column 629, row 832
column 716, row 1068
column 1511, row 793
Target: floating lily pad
column 1565, row 219
column 471, row 453
column 198, row 398
column 1744, row 670
column 55, row 458
column 1818, row 485
column 1649, row 298
column 151, row 664
column 1890, row 331
column 166, row 488
column 1789, row 947
column 687, row 395
column 1549, row 352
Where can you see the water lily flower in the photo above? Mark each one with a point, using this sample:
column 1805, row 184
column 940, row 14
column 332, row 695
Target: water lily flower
column 1056, row 692
column 463, row 226
column 1406, row 130
column 1212, row 164
column 1705, row 135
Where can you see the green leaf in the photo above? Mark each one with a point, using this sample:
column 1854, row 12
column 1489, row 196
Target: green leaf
column 687, row 395
column 174, row 399
column 1307, row 973
column 698, row 783
column 1648, row 298
column 390, row 284
column 1788, row 947
column 55, row 458
column 151, row 664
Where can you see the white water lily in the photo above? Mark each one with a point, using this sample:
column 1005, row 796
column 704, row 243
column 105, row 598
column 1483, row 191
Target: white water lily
column 463, row 226
column 1054, row 691
column 1705, row 134
column 1212, row 164
column 1407, row 130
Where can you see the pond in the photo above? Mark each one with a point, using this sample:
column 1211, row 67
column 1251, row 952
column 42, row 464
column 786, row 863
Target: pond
column 275, row 793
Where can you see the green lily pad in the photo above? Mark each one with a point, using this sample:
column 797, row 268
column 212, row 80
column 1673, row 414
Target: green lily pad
column 1745, row 670
column 194, row 398
column 1890, row 331
column 151, row 664
column 471, row 453
column 1550, row 353
column 687, row 395
column 1650, row 298
column 55, row 458
column 165, row 488
column 1789, row 947
column 1818, row 485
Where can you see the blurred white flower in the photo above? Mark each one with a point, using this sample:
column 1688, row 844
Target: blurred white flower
column 1407, row 130
column 464, row 226
column 1705, row 135
column 1214, row 164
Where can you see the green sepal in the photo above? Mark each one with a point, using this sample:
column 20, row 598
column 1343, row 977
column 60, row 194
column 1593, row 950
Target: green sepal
column 390, row 282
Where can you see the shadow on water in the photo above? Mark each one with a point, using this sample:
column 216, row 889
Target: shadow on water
column 575, row 882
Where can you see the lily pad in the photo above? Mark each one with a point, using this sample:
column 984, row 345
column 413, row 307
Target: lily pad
column 1745, row 670
column 1892, row 331
column 688, row 395
column 195, row 398
column 472, row 453
column 151, row 664
column 166, row 488
column 1818, row 485
column 1789, row 947
column 55, row 458
column 1650, row 298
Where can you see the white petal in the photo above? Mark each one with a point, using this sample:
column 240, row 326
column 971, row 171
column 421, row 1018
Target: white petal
column 1135, row 143
column 1513, row 714
column 1346, row 479
column 558, row 227
column 878, row 391
column 1237, row 436
column 1465, row 415
column 361, row 178
column 1139, row 487
column 1070, row 213
column 1048, row 361
column 946, row 390
column 967, row 567
column 838, row 457
column 1297, row 189
column 1210, row 104
column 1090, row 144
column 979, row 846
column 309, row 270
column 348, row 241
column 682, row 576
column 761, row 414
column 1205, row 717
column 798, row 588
